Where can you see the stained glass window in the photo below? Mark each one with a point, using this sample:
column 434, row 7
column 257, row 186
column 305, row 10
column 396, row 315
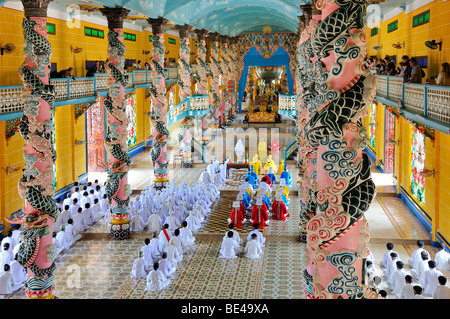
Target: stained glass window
column 372, row 119
column 130, row 110
column 417, row 164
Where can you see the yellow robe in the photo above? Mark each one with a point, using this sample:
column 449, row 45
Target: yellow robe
column 262, row 150
column 256, row 164
column 280, row 167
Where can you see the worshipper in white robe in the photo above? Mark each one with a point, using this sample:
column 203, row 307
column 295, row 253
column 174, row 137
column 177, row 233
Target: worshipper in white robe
column 85, row 199
column 88, row 219
column 9, row 239
column 441, row 291
column 154, row 222
column 373, row 278
column 442, row 259
column 172, row 221
column 408, row 288
column 156, row 279
column 78, row 221
column 74, row 208
column 6, row 256
column 56, row 242
column 193, row 222
column 62, row 238
column 104, row 206
column 16, row 233
column 391, row 267
column 137, row 223
column 18, row 271
column 387, row 255
column 156, row 247
column 229, row 248
column 7, row 283
column 415, row 256
column 71, row 233
column 179, row 244
column 59, row 203
column 397, row 279
column 186, row 234
column 198, row 214
column 264, row 188
column 422, row 266
column 67, row 200
column 65, row 215
column 430, row 279
column 261, row 239
column 418, row 292
column 236, row 236
column 164, row 236
column 17, row 247
column 95, row 210
column 139, row 267
column 147, row 252
column 173, row 255
column 165, row 266
column 205, row 177
column 253, row 248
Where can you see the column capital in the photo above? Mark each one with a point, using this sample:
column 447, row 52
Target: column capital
column 157, row 24
column 35, row 8
column 234, row 40
column 214, row 36
column 225, row 39
column 115, row 16
column 201, row 34
column 183, row 30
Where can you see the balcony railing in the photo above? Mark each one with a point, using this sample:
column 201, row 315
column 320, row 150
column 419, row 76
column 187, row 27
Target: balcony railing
column 432, row 101
column 287, row 104
column 11, row 97
column 192, row 106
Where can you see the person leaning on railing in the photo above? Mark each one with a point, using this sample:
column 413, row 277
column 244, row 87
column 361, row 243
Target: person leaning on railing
column 416, row 72
column 444, row 75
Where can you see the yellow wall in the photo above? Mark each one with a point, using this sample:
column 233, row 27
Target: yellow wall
column 67, row 38
column 414, row 38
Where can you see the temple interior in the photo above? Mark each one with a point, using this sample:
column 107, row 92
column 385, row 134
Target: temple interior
column 209, row 111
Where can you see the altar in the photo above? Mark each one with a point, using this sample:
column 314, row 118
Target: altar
column 262, row 114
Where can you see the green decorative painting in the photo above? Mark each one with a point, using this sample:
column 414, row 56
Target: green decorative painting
column 417, row 164
column 372, row 119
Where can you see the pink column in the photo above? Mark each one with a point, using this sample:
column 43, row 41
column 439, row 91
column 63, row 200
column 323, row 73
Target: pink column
column 119, row 162
column 37, row 253
column 202, row 83
column 225, row 66
column 214, row 81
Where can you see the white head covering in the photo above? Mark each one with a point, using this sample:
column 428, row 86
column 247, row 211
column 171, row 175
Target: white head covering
column 279, row 196
column 236, row 204
column 282, row 182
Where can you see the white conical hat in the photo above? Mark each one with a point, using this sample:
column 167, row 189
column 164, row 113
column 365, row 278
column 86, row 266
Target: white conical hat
column 282, row 182
column 259, row 202
column 279, row 196
column 236, row 204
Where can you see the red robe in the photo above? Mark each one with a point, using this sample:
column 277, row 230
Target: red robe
column 279, row 210
column 267, row 180
column 260, row 215
column 236, row 216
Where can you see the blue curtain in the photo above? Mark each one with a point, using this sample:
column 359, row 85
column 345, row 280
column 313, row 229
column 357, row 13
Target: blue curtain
column 254, row 58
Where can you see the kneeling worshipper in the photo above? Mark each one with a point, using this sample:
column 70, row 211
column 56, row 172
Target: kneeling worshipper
column 7, row 283
column 284, row 190
column 179, row 244
column 237, row 214
column 253, row 248
column 139, row 268
column 218, row 178
column 193, row 222
column 287, row 176
column 279, row 210
column 244, row 198
column 264, row 188
column 154, row 222
column 266, row 179
column 260, row 237
column 173, row 254
column 260, row 214
column 18, row 271
column 164, row 236
column 137, row 223
column 172, row 221
column 156, row 279
column 251, row 179
column 236, row 236
column 229, row 248
column 165, row 266
column 186, row 234
column 147, row 253
column 272, row 176
column 62, row 238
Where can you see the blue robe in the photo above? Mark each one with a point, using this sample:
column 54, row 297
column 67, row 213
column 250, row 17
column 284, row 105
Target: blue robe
column 251, row 179
column 266, row 200
column 272, row 177
column 287, row 176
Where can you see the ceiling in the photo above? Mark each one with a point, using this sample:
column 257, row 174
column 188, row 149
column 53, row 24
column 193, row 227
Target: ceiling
column 228, row 17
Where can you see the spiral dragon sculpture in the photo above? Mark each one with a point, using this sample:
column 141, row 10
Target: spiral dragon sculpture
column 159, row 115
column 216, row 70
column 233, row 71
column 225, row 67
column 185, row 137
column 37, row 252
column 202, row 83
column 337, row 231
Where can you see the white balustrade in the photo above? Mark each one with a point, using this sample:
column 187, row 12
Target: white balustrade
column 11, row 99
column 395, row 88
column 438, row 103
column 287, row 103
column 382, row 87
column 414, row 98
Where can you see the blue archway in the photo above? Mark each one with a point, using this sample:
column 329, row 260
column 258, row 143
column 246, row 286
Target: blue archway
column 254, row 58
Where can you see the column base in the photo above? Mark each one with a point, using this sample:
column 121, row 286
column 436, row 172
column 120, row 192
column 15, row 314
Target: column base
column 119, row 231
column 160, row 184
column 186, row 164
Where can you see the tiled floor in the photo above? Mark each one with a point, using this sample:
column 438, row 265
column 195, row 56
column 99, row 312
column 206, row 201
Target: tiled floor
column 100, row 268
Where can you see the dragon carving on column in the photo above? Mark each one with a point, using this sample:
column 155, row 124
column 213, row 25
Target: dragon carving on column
column 37, row 252
column 214, row 81
column 202, row 82
column 159, row 115
column 337, row 233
